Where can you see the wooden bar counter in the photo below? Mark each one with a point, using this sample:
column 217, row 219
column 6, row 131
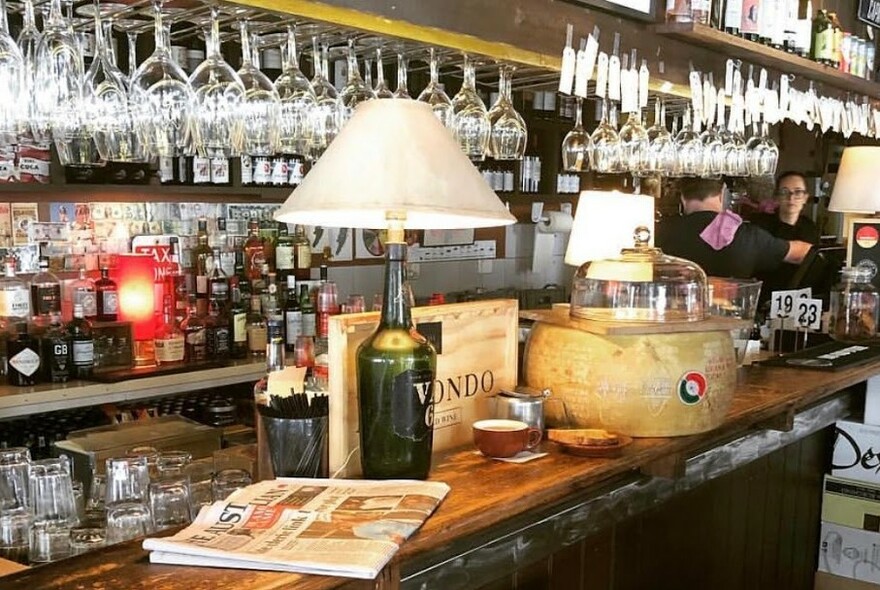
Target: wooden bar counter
column 480, row 526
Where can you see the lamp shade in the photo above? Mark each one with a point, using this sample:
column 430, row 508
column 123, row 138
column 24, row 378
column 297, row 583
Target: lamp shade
column 394, row 157
column 856, row 189
column 135, row 277
column 604, row 224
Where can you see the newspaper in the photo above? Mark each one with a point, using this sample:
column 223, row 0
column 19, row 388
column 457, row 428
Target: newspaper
column 333, row 527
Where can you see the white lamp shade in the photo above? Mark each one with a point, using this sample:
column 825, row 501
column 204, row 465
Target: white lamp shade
column 856, row 189
column 394, row 156
column 604, row 224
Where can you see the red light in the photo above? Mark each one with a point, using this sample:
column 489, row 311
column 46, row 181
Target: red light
column 135, row 277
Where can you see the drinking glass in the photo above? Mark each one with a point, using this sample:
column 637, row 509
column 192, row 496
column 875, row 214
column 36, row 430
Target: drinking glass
column 577, row 147
column 326, row 116
column 633, row 143
column 201, row 485
column 54, row 509
column 713, row 152
column 434, row 95
column 606, row 144
column 659, row 158
column 471, row 125
column 356, row 303
column 161, row 98
column 28, row 41
column 401, row 91
column 261, row 106
column 150, row 455
column 170, row 502
column 95, row 501
column 14, row 480
column 689, row 149
column 12, row 84
column 227, row 481
column 355, row 90
column 15, row 530
column 85, row 539
column 173, row 462
column 108, row 107
column 219, row 94
column 381, row 89
column 508, row 135
column 127, row 512
column 296, row 124
column 763, row 153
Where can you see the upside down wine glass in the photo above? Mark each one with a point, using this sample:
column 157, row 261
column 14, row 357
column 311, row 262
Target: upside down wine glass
column 296, row 124
column 471, row 125
column 325, row 115
column 508, row 135
column 434, row 95
column 261, row 106
column 577, row 147
column 355, row 90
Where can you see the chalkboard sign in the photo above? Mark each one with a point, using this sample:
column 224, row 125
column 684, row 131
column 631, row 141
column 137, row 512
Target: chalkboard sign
column 869, row 12
column 863, row 249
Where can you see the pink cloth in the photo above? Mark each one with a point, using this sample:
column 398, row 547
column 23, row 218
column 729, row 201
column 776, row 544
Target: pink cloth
column 719, row 234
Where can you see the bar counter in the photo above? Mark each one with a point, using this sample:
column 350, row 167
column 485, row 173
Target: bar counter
column 480, row 529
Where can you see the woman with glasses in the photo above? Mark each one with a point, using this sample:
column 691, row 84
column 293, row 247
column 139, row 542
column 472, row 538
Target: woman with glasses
column 787, row 222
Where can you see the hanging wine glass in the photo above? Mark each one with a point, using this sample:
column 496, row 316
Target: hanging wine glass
column 28, row 41
column 161, row 98
column 763, row 153
column 261, row 105
column 131, row 35
column 633, row 143
column 752, row 151
column 733, row 144
column 713, row 151
column 355, row 90
column 434, row 95
column 606, row 144
column 659, row 157
column 689, row 149
column 577, row 147
column 219, row 94
column 381, row 89
column 108, row 102
column 297, row 103
column 508, row 135
column 325, row 117
column 472, row 126
column 402, row 91
column 674, row 171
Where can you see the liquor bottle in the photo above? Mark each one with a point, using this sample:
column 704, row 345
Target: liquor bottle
column 395, row 375
column 254, row 252
column 275, row 361
column 169, row 341
column 256, row 329
column 733, row 16
column 175, row 285
column 293, row 320
column 767, row 22
column 309, row 314
column 678, row 11
column 82, row 291
column 269, row 234
column 750, row 25
column 193, row 328
column 822, row 31
column 203, row 261
column 302, row 254
column 327, row 303
column 45, row 292
column 15, row 300
column 218, row 338
column 836, row 40
column 237, row 321
column 285, row 259
column 24, row 358
column 82, row 344
column 700, row 11
column 55, row 353
column 108, row 297
column 218, row 283
column 270, row 300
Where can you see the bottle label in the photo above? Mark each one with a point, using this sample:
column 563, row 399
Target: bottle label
column 47, row 299
column 239, row 327
column 284, row 258
column 15, row 303
column 110, row 299
column 201, row 170
column 309, row 321
column 733, row 14
column 258, row 338
column 295, row 167
column 262, row 171
column 412, row 392
column 303, row 256
column 220, row 171
column 166, row 170
column 58, row 353
column 83, row 353
column 170, row 350
column 279, row 171
column 86, row 298
column 202, row 285
column 218, row 343
column 247, row 170
column 293, row 321
column 196, row 344
column 26, row 362
column 220, row 291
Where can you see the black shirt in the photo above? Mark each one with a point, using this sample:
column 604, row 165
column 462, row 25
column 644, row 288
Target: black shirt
column 804, row 228
column 752, row 250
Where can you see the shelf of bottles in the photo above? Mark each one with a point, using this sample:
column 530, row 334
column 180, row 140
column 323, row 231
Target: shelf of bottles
column 775, row 34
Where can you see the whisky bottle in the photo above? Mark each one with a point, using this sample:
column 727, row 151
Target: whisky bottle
column 395, row 374
column 238, row 322
column 309, row 313
column 82, row 344
column 108, row 297
column 302, row 254
column 217, row 327
column 218, row 283
column 254, row 252
column 193, row 328
column 284, row 254
column 169, row 341
column 256, row 329
column 293, row 320
column 203, row 261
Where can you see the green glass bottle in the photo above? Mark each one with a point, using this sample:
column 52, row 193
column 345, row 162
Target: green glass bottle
column 396, row 368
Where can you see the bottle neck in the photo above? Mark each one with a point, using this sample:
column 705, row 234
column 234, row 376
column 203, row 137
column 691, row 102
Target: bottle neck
column 395, row 305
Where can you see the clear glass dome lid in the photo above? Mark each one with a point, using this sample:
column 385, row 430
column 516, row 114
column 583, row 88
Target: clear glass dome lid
column 641, row 285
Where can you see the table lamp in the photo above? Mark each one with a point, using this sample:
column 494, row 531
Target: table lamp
column 395, row 166
column 136, row 275
column 856, row 189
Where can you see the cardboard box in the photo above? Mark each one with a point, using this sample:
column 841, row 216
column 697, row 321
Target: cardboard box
column 825, row 581
column 854, row 504
column 849, row 552
column 856, row 452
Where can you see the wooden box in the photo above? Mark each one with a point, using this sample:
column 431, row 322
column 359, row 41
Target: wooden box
column 477, row 356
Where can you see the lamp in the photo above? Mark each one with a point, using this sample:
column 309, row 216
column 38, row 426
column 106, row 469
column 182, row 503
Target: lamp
column 856, row 189
column 395, row 166
column 136, row 275
column 604, row 224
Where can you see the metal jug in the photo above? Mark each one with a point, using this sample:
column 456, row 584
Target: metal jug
column 522, row 403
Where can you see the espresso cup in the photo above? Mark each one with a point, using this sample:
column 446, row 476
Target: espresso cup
column 504, row 438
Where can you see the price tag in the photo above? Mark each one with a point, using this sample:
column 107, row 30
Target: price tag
column 566, row 79
column 728, row 77
column 644, row 76
column 580, row 77
column 592, row 51
column 808, row 314
column 696, row 85
column 782, row 303
column 614, row 78
column 602, row 75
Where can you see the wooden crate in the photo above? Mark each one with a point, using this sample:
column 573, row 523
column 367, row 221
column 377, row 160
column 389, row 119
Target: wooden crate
column 477, row 357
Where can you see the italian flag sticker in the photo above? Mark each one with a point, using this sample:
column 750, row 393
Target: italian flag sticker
column 866, row 237
column 692, row 388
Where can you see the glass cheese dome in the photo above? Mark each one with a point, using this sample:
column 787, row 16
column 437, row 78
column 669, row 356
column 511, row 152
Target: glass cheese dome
column 641, row 285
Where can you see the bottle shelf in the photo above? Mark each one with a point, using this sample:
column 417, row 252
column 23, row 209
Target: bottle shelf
column 776, row 59
column 135, row 192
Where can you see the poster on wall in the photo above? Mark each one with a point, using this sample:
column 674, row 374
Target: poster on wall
column 23, row 214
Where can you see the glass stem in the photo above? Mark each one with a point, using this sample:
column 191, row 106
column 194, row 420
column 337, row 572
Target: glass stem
column 401, row 74
column 292, row 59
column 132, row 52
column 578, row 122
column 246, row 54
column 435, row 77
column 316, row 56
column 214, row 42
column 380, row 71
column 159, row 27
column 353, row 73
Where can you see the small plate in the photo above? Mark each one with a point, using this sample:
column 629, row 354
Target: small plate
column 597, row 450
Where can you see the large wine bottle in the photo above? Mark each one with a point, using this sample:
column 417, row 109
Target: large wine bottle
column 396, row 368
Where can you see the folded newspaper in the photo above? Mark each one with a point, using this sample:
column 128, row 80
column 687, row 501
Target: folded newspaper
column 333, row 527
